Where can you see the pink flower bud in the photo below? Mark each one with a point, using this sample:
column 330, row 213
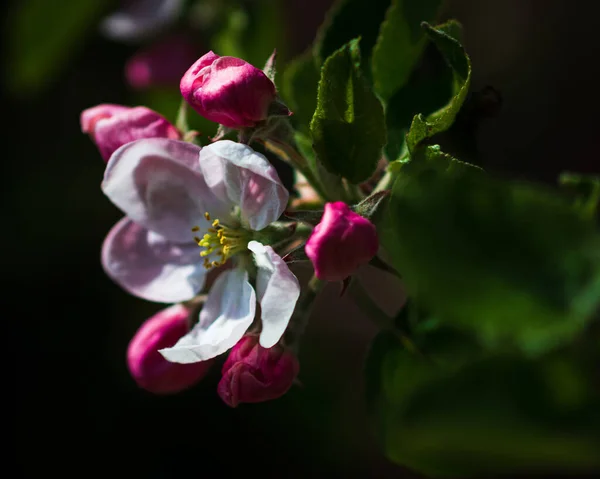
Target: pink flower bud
column 341, row 242
column 254, row 374
column 162, row 64
column 150, row 370
column 229, row 91
column 112, row 126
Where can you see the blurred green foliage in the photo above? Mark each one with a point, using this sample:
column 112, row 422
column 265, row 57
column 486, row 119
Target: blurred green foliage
column 41, row 37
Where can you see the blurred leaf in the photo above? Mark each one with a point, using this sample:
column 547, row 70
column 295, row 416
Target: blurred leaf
column 350, row 19
column 253, row 33
column 586, row 189
column 515, row 264
column 229, row 41
column 447, row 413
column 42, row 36
column 299, row 89
column 348, row 127
column 400, row 44
column 459, row 62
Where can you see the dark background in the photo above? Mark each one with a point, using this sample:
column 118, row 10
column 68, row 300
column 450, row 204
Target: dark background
column 75, row 409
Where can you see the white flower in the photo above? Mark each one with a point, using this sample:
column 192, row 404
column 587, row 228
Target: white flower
column 172, row 190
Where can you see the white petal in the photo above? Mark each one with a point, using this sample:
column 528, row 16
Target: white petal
column 149, row 266
column 157, row 183
column 227, row 314
column 240, row 176
column 278, row 290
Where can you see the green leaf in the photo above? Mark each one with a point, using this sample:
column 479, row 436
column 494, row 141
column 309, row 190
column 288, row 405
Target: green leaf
column 586, row 189
column 451, row 411
column 299, row 89
column 428, row 89
column 400, row 44
column 513, row 263
column 350, row 19
column 42, row 36
column 458, row 60
column 348, row 127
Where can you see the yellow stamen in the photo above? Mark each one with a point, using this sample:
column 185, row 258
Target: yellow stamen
column 221, row 240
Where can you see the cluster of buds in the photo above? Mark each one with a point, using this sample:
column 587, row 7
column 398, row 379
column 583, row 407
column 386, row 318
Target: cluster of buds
column 190, row 209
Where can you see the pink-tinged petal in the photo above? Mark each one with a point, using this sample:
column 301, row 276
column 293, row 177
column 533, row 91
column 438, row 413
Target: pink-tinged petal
column 90, row 116
column 157, row 183
column 240, row 176
column 229, row 91
column 149, row 266
column 277, row 289
column 254, row 374
column 113, row 129
column 341, row 242
column 227, row 314
column 194, row 74
column 139, row 19
column 148, row 368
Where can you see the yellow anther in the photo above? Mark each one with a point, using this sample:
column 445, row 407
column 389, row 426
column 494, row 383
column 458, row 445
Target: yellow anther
column 222, row 241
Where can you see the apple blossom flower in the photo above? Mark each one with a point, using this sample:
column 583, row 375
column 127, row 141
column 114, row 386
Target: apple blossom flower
column 172, row 190
column 140, row 19
column 254, row 374
column 341, row 242
column 111, row 126
column 230, row 91
column 150, row 370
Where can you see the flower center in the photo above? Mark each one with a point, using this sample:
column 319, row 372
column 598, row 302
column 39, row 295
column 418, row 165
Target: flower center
column 221, row 241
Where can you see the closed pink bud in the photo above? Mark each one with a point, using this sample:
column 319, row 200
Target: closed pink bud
column 160, row 65
column 254, row 374
column 112, row 126
column 229, row 91
column 150, row 370
column 341, row 242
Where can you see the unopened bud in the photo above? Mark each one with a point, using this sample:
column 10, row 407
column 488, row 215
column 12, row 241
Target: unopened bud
column 150, row 370
column 341, row 242
column 112, row 126
column 230, row 91
column 254, row 374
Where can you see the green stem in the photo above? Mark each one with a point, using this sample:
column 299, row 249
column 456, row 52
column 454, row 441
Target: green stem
column 387, row 180
column 182, row 122
column 286, row 151
column 385, row 183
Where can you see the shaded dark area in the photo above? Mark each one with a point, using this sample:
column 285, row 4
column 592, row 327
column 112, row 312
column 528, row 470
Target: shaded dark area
column 75, row 409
